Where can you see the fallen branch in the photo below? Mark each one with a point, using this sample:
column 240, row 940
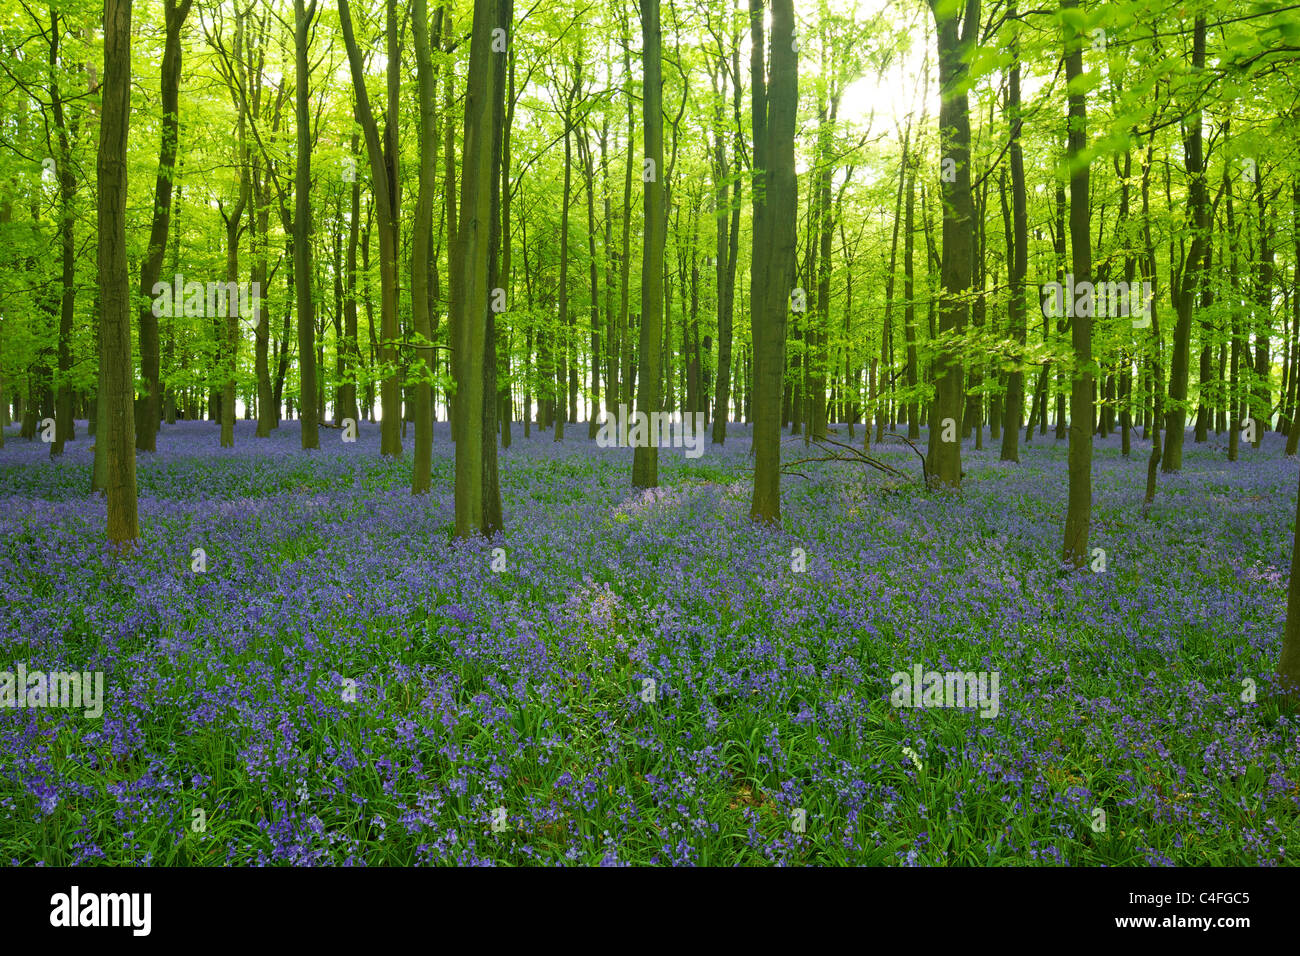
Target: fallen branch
column 853, row 456
column 925, row 472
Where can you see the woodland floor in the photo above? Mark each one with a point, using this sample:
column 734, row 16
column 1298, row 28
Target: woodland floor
column 227, row 691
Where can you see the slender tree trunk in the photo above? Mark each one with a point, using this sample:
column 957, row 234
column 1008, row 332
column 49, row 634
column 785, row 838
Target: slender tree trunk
column 824, row 230
column 261, row 221
column 625, row 256
column 1185, row 291
column 469, row 289
column 562, row 353
column 1079, row 513
column 905, row 186
column 351, row 347
column 589, row 175
column 1233, row 398
column 1262, row 398
column 1019, row 259
column 385, row 176
column 503, row 199
column 230, row 344
column 944, row 458
column 1156, row 344
column 99, row 471
column 302, row 220
column 147, row 422
column 775, row 101
column 449, row 203
column 117, row 423
column 727, row 254
column 63, row 430
column 1205, row 378
column 645, row 457
column 421, row 239
column 912, row 368
column 229, row 358
column 493, row 520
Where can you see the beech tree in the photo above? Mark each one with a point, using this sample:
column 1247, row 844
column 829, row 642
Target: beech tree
column 149, row 404
column 1079, row 508
column 1018, row 256
column 957, row 28
column 117, row 425
column 302, row 222
column 385, row 175
column 469, row 273
column 775, row 97
column 427, row 37
column 645, row 457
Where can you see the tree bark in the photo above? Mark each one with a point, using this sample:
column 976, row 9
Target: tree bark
column 1019, row 260
column 775, row 200
column 727, row 251
column 387, row 189
column 1185, row 291
column 469, row 287
column 117, row 424
column 421, row 240
column 147, row 423
column 302, row 221
column 493, row 520
column 1079, row 510
column 645, row 458
column 944, row 458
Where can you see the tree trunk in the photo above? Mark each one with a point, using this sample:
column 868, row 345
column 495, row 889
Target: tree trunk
column 589, row 176
column 1185, row 291
column 911, row 368
column 261, row 221
column 387, row 189
column 493, row 520
column 469, row 273
column 727, row 251
column 504, row 194
column 421, row 239
column 775, row 201
column 1156, row 344
column 1079, row 512
column 1019, row 260
column 625, row 256
column 63, row 414
column 350, row 345
column 302, row 221
column 944, row 458
column 117, row 424
column 229, row 358
column 645, row 457
column 147, row 421
column 1262, row 403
